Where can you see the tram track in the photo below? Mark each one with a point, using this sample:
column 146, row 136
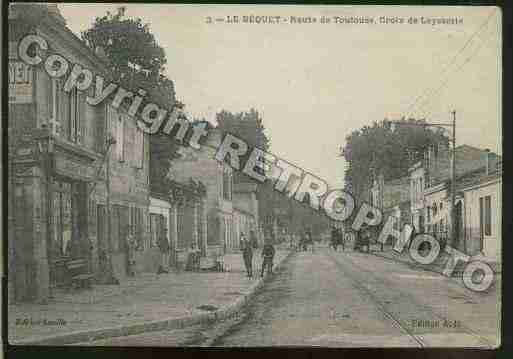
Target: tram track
column 385, row 308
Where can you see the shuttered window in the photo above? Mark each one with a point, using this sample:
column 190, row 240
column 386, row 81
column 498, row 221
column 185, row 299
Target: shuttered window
column 488, row 216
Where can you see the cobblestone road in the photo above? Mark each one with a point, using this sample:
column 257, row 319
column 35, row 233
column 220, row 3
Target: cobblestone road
column 348, row 299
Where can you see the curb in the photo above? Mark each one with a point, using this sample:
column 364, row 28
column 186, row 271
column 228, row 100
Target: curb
column 223, row 313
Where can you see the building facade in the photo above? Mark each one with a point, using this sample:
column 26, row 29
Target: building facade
column 245, row 210
column 217, row 178
column 482, row 201
column 417, row 184
column 393, row 199
column 181, row 212
column 59, row 165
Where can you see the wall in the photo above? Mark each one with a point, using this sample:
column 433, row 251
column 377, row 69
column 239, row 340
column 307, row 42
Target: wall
column 200, row 165
column 416, row 194
column 492, row 243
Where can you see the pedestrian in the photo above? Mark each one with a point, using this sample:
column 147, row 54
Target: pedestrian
column 334, row 238
column 340, row 239
column 130, row 243
column 267, row 258
column 254, row 239
column 310, row 240
column 164, row 247
column 247, row 254
column 366, row 236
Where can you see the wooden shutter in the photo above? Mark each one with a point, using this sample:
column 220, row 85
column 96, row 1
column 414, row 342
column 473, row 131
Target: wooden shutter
column 488, row 216
column 81, row 118
column 481, row 217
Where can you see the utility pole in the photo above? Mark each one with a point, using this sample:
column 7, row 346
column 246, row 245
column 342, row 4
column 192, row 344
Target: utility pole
column 110, row 279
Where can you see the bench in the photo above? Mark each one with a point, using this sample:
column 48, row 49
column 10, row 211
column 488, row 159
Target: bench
column 77, row 273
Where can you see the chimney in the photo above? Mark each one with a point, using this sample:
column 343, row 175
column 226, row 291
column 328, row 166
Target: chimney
column 55, row 13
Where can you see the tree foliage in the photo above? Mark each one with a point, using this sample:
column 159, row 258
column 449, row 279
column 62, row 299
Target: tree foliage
column 273, row 206
column 385, row 149
column 128, row 43
column 245, row 125
column 138, row 62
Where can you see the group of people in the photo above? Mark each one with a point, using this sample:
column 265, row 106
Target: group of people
column 337, row 238
column 131, row 246
column 306, row 241
column 248, row 245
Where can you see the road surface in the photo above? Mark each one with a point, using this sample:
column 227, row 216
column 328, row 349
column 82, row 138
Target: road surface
column 349, row 299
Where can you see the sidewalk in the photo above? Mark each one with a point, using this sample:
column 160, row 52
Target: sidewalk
column 145, row 303
column 437, row 266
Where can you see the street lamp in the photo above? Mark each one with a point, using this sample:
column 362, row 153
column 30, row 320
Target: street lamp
column 444, row 126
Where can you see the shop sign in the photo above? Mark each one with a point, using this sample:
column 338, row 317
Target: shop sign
column 67, row 167
column 20, row 82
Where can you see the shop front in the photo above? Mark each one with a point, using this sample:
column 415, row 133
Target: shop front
column 72, row 176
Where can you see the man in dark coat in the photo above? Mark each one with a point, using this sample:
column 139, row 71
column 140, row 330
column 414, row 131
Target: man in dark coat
column 164, row 247
column 340, row 239
column 247, row 254
column 267, row 258
column 334, row 238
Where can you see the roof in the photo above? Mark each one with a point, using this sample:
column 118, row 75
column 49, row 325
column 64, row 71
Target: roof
column 477, row 177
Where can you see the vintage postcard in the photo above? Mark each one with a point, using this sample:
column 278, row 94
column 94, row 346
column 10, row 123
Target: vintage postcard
column 247, row 175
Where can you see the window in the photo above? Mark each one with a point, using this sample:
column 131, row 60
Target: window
column 74, row 112
column 120, row 138
column 53, row 106
column 138, row 148
column 227, row 185
column 481, row 217
column 488, row 216
column 154, row 226
column 485, row 216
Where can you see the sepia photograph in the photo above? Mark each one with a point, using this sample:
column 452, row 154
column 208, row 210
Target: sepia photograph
column 186, row 175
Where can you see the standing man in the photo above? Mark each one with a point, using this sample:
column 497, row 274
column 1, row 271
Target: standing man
column 340, row 239
column 334, row 238
column 254, row 239
column 247, row 254
column 310, row 239
column 163, row 244
column 130, row 251
column 267, row 257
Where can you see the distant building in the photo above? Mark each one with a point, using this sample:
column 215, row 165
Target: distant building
column 182, row 212
column 482, row 207
column 417, row 174
column 245, row 209
column 393, row 199
column 430, row 191
column 478, row 209
column 217, row 178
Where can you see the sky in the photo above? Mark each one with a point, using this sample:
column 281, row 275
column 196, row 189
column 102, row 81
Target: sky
column 315, row 83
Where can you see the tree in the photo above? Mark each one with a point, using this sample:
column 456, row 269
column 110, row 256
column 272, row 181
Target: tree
column 128, row 43
column 245, row 125
column 378, row 149
column 249, row 127
column 138, row 62
column 273, row 206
